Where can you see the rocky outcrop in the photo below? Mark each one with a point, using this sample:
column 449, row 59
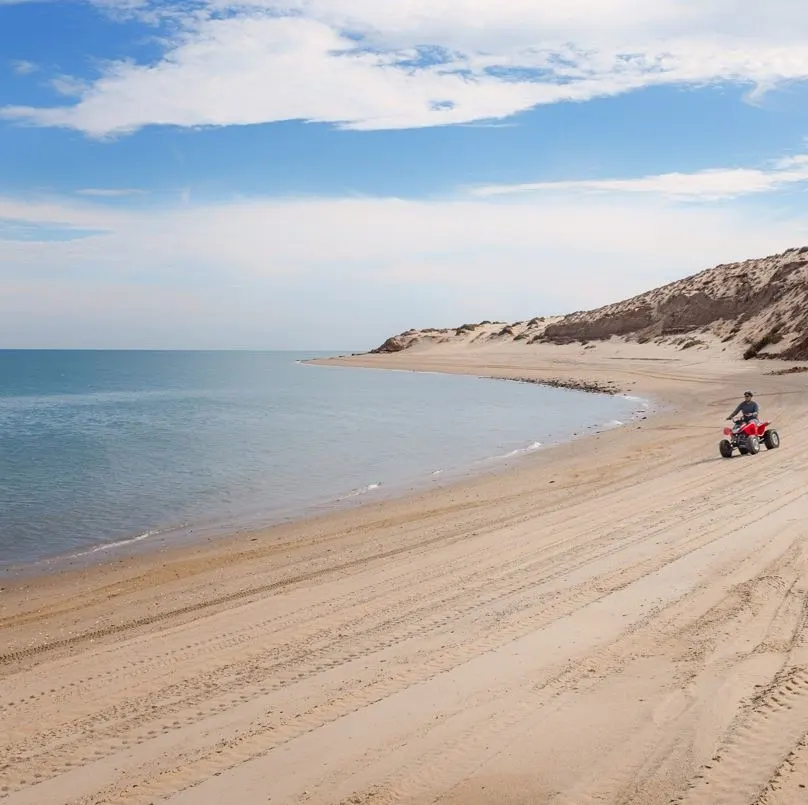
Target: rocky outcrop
column 395, row 343
column 798, row 351
column 763, row 302
column 759, row 306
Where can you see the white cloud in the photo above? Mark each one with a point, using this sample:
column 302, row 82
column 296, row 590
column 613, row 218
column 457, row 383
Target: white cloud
column 22, row 67
column 369, row 65
column 706, row 185
column 347, row 273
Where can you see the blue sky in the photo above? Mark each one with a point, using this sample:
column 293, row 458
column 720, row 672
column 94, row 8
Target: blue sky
column 323, row 173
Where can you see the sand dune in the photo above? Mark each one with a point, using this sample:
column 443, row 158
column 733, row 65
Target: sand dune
column 758, row 308
column 621, row 620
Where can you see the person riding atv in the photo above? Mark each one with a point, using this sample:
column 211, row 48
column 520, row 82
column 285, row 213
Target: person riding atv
column 749, row 409
column 747, row 432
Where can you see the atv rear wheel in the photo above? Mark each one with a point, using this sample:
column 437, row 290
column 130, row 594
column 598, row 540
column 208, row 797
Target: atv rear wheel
column 771, row 438
column 753, row 445
column 725, row 448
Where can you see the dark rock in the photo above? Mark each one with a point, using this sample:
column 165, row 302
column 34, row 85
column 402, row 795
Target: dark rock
column 395, row 344
column 792, row 370
column 591, row 386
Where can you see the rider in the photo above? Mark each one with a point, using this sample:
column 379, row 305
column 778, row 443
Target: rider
column 749, row 408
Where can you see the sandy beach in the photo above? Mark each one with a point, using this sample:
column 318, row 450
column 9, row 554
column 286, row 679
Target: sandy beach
column 617, row 620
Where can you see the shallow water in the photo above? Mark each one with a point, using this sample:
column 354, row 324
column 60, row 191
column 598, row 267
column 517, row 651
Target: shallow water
column 99, row 448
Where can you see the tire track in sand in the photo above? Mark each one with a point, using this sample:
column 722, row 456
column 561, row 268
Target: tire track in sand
column 455, row 759
column 107, row 732
column 259, row 738
column 763, row 735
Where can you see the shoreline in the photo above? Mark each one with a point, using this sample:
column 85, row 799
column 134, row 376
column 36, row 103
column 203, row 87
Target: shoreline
column 367, row 361
column 568, row 627
column 168, row 537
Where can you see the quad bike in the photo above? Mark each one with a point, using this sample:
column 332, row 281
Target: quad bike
column 746, row 437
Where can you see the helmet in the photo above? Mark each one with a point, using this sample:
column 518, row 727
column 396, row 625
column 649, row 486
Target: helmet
column 748, row 394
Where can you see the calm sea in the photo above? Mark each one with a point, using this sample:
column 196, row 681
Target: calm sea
column 101, row 449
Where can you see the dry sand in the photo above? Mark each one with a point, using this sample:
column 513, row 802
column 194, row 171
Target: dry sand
column 621, row 620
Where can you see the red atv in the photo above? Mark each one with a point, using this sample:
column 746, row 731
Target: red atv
column 746, row 437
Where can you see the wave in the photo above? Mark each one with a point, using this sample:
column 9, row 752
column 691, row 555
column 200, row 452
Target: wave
column 532, row 447
column 108, row 546
column 363, row 490
column 644, row 401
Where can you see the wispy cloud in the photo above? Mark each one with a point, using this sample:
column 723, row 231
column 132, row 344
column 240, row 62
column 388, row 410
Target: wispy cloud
column 363, row 64
column 42, row 232
column 706, row 185
column 110, row 192
column 22, row 67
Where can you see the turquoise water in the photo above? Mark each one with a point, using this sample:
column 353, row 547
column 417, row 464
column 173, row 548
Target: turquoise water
column 101, row 448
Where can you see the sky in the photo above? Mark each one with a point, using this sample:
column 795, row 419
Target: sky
column 321, row 174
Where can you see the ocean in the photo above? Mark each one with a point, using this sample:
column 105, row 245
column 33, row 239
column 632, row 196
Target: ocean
column 104, row 450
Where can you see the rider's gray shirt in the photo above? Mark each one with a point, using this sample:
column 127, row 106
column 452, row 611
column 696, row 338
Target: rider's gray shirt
column 749, row 409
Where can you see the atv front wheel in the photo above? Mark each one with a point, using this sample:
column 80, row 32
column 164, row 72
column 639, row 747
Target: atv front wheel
column 725, row 448
column 771, row 438
column 753, row 445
